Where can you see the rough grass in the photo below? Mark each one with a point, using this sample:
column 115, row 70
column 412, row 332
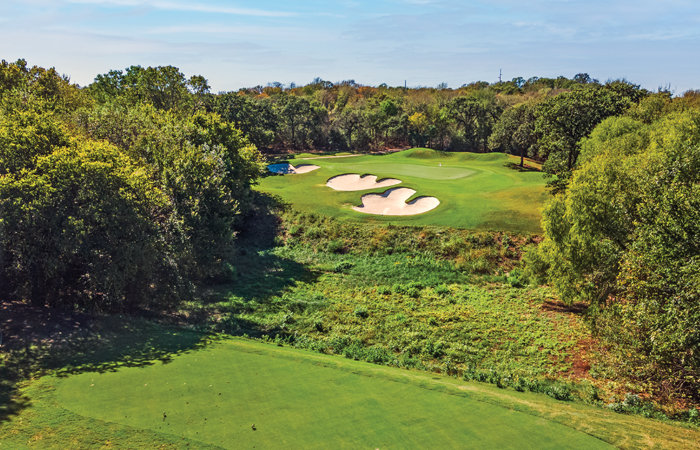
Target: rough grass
column 425, row 297
column 475, row 190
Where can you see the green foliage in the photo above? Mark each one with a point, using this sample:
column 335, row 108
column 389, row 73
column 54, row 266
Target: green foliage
column 122, row 204
column 81, row 229
column 515, row 132
column 164, row 87
column 26, row 133
column 256, row 119
column 624, row 238
column 563, row 120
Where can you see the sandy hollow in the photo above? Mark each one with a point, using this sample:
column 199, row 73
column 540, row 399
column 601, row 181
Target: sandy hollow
column 354, row 182
column 288, row 169
column 393, row 203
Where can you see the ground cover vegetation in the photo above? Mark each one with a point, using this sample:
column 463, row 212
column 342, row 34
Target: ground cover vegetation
column 136, row 195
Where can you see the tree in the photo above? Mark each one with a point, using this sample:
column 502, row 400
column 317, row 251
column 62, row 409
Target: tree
column 296, row 117
column 27, row 132
column 348, row 121
column 624, row 239
column 79, row 231
column 204, row 166
column 255, row 118
column 515, row 132
column 165, row 87
column 563, row 120
column 475, row 116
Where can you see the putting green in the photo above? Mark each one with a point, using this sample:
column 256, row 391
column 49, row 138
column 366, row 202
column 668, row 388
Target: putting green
column 302, row 400
column 474, row 190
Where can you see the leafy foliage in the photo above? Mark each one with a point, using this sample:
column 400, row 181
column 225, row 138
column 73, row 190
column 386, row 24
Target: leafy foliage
column 119, row 204
column 625, row 239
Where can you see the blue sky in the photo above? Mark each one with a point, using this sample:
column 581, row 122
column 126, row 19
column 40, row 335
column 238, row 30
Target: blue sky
column 244, row 43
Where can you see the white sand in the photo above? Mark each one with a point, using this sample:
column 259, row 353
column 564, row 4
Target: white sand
column 354, row 182
column 289, row 169
column 393, row 203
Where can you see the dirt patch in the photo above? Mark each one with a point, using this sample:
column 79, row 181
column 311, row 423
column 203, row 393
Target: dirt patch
column 561, row 307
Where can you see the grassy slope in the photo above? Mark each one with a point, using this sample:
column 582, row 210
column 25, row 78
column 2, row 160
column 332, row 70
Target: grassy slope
column 475, row 190
column 299, row 399
column 415, row 295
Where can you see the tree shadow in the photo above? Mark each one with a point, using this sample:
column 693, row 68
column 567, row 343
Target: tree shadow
column 42, row 340
column 261, row 275
column 525, row 168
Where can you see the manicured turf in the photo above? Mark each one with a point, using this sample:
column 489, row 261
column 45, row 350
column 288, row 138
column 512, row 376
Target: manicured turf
column 475, row 190
column 302, row 400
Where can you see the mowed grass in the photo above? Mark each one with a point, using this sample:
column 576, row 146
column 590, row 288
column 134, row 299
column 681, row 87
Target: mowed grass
column 301, row 400
column 475, row 190
column 206, row 392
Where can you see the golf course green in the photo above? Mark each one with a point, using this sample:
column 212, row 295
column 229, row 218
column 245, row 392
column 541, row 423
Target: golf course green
column 238, row 394
column 475, row 190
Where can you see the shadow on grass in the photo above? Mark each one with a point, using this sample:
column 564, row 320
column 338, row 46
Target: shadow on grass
column 41, row 341
column 525, row 168
column 261, row 275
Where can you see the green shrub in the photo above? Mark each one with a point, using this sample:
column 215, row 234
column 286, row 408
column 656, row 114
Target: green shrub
column 295, row 230
column 313, row 233
column 335, row 246
column 516, row 278
column 361, row 312
column 383, row 290
column 413, row 292
column 442, row 290
column 343, row 266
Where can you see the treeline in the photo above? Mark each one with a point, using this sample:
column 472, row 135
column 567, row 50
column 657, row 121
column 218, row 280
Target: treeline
column 624, row 238
column 542, row 118
column 114, row 205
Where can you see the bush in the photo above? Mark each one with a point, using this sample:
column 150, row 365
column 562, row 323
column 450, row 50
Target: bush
column 383, row 290
column 361, row 312
column 335, row 246
column 516, row 278
column 442, row 290
column 413, row 292
column 343, row 266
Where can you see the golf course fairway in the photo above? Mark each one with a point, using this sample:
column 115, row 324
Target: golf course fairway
column 297, row 399
column 475, row 190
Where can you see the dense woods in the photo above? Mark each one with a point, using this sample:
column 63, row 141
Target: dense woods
column 109, row 206
column 128, row 192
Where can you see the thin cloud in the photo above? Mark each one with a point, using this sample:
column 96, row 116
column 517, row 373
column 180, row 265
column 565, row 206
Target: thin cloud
column 189, row 7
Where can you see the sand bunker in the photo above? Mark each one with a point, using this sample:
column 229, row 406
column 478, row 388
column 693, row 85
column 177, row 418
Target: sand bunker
column 393, row 203
column 354, row 182
column 289, row 169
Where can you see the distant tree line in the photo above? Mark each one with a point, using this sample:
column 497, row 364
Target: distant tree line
column 541, row 118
